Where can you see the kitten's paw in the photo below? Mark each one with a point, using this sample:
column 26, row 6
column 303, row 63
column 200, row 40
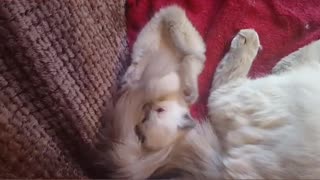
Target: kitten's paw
column 131, row 77
column 190, row 93
column 246, row 38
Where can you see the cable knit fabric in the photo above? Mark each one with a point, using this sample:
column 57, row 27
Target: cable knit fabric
column 59, row 64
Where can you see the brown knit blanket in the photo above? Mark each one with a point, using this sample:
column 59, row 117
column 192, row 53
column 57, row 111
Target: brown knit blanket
column 59, row 64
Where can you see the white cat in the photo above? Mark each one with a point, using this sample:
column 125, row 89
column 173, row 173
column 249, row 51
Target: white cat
column 152, row 114
column 267, row 127
column 167, row 59
column 257, row 128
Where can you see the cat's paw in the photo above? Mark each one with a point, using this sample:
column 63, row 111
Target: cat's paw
column 246, row 38
column 190, row 93
column 131, row 77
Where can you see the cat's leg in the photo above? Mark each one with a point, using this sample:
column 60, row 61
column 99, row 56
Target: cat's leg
column 147, row 42
column 182, row 34
column 237, row 62
column 169, row 25
column 306, row 55
column 186, row 39
column 179, row 33
column 287, row 63
column 190, row 68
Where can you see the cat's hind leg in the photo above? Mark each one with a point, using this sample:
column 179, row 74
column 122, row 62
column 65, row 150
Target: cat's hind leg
column 187, row 40
column 170, row 29
column 237, row 62
column 189, row 70
column 308, row 54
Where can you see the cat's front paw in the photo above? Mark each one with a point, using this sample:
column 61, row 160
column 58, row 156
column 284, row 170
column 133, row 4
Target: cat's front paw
column 246, row 38
column 131, row 77
column 190, row 93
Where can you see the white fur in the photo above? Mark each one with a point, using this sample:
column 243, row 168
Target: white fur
column 162, row 126
column 258, row 128
column 167, row 44
column 167, row 58
column 269, row 127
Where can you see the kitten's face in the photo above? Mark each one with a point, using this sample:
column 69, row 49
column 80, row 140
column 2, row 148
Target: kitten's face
column 165, row 122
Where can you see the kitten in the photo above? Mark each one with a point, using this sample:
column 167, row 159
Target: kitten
column 152, row 114
column 257, row 128
column 167, row 59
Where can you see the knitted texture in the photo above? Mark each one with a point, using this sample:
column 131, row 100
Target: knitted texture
column 59, row 63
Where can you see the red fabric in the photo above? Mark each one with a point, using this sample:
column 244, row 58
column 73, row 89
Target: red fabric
column 283, row 26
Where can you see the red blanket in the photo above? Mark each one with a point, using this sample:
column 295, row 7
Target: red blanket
column 283, row 26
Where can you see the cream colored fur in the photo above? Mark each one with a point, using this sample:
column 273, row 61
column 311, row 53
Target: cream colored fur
column 152, row 115
column 257, row 128
column 167, row 58
column 168, row 45
column 268, row 127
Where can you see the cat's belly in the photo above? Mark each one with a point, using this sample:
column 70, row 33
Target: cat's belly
column 261, row 136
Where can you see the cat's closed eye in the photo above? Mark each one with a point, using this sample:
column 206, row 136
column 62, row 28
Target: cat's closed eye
column 160, row 110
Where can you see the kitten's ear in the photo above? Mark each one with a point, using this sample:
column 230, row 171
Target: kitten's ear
column 187, row 123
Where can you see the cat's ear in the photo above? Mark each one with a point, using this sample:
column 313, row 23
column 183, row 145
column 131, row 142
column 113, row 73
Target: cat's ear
column 187, row 123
